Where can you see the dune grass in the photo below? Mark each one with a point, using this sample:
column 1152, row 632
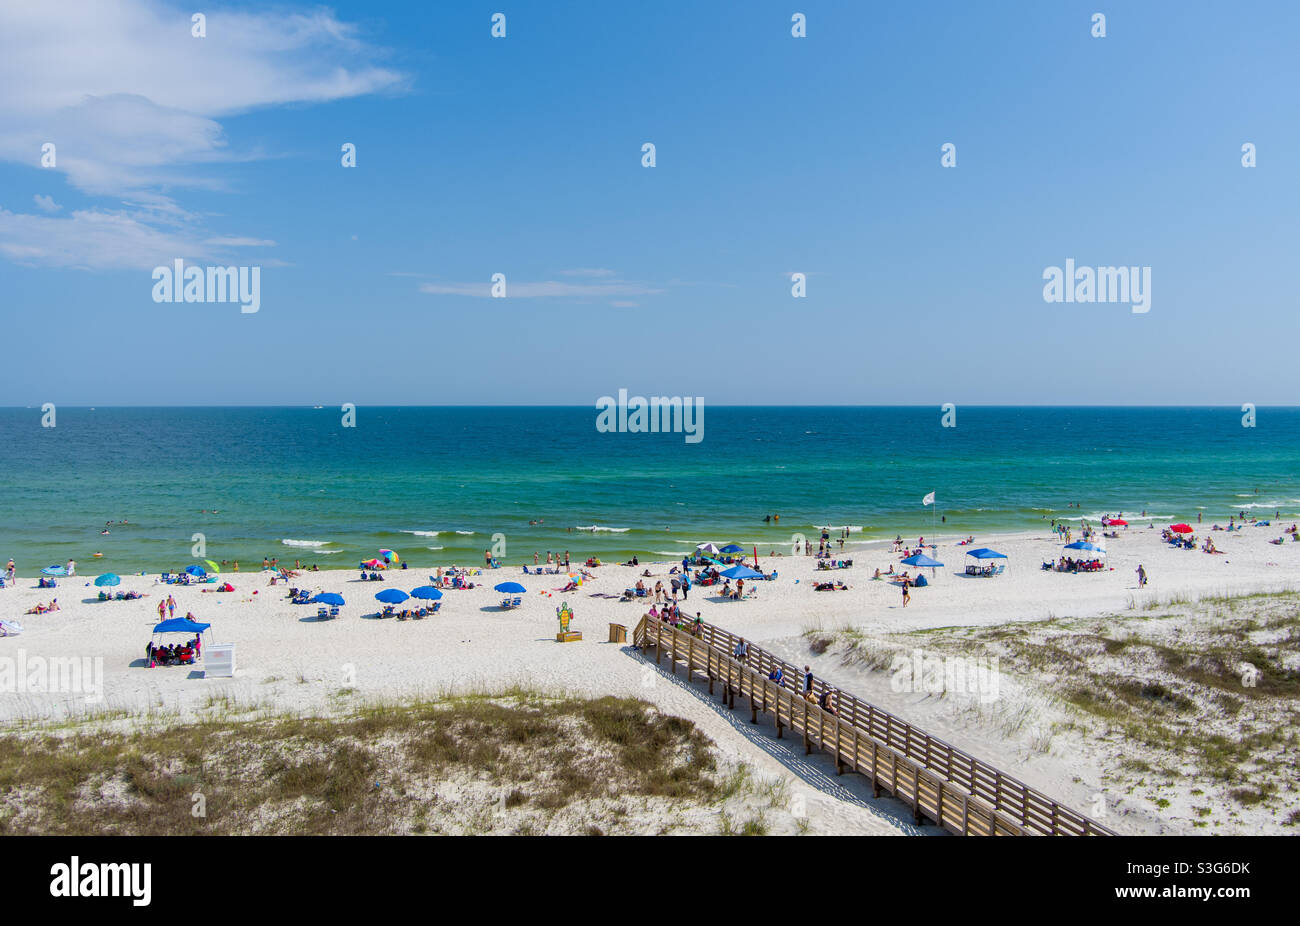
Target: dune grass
column 519, row 762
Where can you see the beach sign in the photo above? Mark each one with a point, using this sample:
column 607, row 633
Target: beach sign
column 219, row 660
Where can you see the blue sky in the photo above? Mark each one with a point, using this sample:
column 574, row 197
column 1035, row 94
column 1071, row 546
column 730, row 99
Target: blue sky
column 522, row 156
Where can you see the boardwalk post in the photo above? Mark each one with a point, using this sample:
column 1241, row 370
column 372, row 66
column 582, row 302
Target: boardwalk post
column 807, row 745
column 916, row 796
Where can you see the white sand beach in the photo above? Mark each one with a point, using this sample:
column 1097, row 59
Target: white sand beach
column 288, row 660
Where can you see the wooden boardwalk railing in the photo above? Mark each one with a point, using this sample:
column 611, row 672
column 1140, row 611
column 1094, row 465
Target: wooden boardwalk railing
column 938, row 781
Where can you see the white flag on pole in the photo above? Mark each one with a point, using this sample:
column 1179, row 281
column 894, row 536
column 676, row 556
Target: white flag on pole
column 928, row 500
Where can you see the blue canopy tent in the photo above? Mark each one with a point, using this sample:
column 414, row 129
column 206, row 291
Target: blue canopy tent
column 741, row 572
column 984, row 553
column 54, row 571
column 510, row 588
column 108, row 578
column 175, row 625
column 180, row 625
column 328, row 598
column 391, row 596
column 1085, row 545
column 732, row 549
column 427, row 592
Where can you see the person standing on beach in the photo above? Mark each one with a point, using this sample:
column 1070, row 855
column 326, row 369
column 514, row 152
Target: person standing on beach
column 686, row 585
column 906, row 595
column 1142, row 576
column 162, row 610
column 171, row 606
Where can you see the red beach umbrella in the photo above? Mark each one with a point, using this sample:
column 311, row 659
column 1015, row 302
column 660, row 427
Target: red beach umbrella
column 1120, row 521
column 1181, row 528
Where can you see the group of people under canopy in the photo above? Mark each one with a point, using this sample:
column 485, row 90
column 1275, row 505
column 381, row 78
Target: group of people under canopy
column 183, row 653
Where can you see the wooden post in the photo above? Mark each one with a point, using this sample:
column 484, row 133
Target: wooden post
column 658, row 643
column 916, row 794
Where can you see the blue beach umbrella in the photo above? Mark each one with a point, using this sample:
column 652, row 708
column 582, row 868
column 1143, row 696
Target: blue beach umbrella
column 197, row 571
column 920, row 559
column 986, row 553
column 427, row 592
column 741, row 572
column 732, row 548
column 510, row 588
column 328, row 598
column 108, row 578
column 392, row 596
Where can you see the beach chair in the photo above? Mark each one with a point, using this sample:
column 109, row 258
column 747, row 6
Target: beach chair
column 334, row 611
column 389, row 611
column 1000, row 569
column 435, row 607
column 322, row 613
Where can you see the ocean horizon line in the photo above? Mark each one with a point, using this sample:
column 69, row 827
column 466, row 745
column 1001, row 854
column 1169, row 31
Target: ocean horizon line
column 761, row 405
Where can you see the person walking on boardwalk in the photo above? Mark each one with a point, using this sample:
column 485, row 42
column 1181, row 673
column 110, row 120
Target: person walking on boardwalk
column 742, row 651
column 808, row 682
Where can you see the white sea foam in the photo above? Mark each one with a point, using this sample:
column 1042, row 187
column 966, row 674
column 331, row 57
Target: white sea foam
column 466, row 533
column 423, row 533
column 433, row 548
column 596, row 528
column 305, row 543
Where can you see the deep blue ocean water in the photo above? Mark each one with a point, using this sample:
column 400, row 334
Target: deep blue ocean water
column 250, row 479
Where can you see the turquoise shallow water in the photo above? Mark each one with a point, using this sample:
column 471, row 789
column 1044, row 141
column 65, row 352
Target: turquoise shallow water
column 435, row 484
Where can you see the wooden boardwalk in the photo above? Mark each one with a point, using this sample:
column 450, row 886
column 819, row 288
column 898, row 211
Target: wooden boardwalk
column 939, row 782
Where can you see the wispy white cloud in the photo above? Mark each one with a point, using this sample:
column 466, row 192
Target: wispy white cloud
column 587, row 272
column 132, row 102
column 545, row 289
column 231, row 242
column 46, row 203
column 92, row 240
